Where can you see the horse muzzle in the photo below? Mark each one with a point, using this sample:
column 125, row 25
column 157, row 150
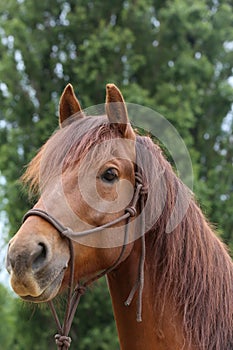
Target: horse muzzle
column 36, row 272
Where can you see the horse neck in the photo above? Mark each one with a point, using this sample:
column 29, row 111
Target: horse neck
column 152, row 333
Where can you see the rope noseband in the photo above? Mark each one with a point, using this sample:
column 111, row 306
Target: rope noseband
column 62, row 339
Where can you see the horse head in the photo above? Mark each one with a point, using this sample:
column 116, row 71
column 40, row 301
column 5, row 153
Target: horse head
column 85, row 176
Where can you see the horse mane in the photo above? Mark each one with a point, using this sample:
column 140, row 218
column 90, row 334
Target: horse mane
column 189, row 267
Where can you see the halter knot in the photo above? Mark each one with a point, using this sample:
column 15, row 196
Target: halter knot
column 140, row 181
column 132, row 211
column 81, row 290
column 62, row 340
column 67, row 232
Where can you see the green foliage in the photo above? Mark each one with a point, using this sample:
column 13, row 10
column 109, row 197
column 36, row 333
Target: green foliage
column 8, row 318
column 173, row 56
column 32, row 328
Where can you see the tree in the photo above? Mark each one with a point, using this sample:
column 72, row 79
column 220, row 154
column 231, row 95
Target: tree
column 195, row 94
column 175, row 57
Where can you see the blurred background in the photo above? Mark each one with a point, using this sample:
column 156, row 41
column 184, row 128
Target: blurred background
column 175, row 57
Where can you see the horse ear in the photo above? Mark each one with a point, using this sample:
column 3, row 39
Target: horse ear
column 69, row 105
column 116, row 111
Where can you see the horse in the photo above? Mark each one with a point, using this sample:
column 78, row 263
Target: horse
column 169, row 290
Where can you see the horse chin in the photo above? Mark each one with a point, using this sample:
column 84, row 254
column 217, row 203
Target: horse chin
column 49, row 292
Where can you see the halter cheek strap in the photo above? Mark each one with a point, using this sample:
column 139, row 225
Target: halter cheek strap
column 62, row 339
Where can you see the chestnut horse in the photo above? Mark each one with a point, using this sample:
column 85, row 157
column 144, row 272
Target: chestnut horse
column 87, row 175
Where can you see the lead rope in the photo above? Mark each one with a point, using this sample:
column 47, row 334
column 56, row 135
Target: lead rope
column 139, row 284
column 62, row 339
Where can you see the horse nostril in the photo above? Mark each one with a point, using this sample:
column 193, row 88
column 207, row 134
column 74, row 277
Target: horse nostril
column 38, row 258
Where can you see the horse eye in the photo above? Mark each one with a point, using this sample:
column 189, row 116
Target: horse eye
column 110, row 175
